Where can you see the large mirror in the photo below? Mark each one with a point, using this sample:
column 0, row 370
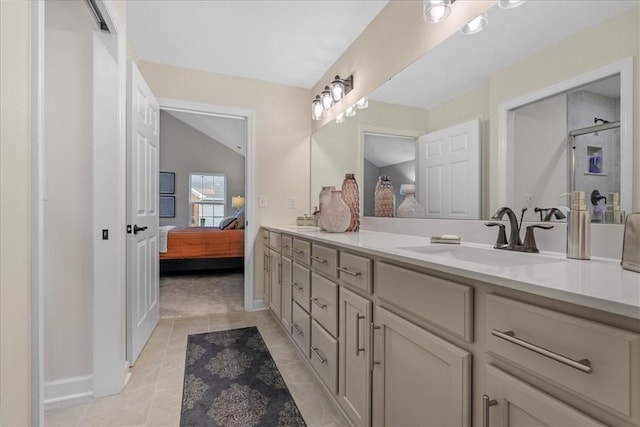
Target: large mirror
column 527, row 55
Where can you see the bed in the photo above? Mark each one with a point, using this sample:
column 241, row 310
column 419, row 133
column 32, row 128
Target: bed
column 200, row 248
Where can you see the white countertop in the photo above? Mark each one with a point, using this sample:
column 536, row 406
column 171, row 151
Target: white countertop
column 598, row 283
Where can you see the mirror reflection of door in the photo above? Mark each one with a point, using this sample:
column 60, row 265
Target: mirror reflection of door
column 390, row 155
column 570, row 141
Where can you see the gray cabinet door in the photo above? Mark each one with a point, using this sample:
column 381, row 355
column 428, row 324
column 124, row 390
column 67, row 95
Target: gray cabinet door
column 355, row 357
column 419, row 379
column 286, row 293
column 275, row 300
column 512, row 402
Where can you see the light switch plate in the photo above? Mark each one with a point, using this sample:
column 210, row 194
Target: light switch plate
column 292, row 202
column 262, row 201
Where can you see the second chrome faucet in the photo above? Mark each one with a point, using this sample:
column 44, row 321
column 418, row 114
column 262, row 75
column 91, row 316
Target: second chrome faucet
column 515, row 243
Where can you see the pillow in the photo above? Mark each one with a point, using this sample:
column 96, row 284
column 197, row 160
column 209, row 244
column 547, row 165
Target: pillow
column 240, row 218
column 227, row 223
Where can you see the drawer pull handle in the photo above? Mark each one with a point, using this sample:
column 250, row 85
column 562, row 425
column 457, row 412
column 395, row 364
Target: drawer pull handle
column 487, row 403
column 353, row 273
column 283, row 245
column 372, row 329
column 320, row 260
column 266, row 262
column 298, row 251
column 358, row 348
column 280, row 273
column 298, row 287
column 318, row 303
column 297, row 328
column 583, row 365
column 314, row 350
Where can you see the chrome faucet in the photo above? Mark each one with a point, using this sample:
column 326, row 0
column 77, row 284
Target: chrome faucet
column 514, row 243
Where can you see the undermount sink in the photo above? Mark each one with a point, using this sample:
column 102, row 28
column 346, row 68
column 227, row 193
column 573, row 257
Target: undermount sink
column 493, row 257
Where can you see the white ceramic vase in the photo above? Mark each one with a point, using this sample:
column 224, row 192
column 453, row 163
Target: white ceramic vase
column 336, row 216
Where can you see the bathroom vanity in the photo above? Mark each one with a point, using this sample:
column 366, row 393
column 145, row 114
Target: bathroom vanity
column 403, row 332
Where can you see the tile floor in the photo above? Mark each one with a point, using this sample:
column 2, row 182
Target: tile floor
column 154, row 393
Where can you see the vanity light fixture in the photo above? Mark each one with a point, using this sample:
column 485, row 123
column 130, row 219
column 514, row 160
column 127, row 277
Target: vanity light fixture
column 317, row 110
column 351, row 111
column 476, row 25
column 436, row 10
column 510, row 4
column 341, row 87
column 327, row 99
column 340, row 118
column 362, row 103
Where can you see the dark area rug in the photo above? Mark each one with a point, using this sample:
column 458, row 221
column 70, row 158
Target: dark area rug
column 230, row 379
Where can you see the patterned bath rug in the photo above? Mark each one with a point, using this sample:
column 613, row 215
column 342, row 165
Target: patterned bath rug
column 231, row 380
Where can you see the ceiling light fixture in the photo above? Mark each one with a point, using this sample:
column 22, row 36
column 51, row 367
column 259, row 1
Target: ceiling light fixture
column 510, row 4
column 436, row 10
column 476, row 25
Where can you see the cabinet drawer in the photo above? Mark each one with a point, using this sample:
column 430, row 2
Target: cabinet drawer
column 324, row 303
column 355, row 270
column 301, row 286
column 274, row 240
column 286, row 244
column 301, row 251
column 324, row 356
column 598, row 362
column 301, row 329
column 441, row 302
column 324, row 260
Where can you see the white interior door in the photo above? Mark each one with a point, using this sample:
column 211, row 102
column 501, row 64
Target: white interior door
column 142, row 215
column 448, row 172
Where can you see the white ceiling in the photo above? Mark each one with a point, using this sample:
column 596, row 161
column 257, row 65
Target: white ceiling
column 229, row 131
column 290, row 42
column 385, row 150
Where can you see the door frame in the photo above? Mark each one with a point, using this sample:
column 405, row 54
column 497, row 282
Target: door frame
column 251, row 229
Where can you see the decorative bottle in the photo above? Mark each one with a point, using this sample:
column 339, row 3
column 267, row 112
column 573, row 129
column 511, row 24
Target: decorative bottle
column 351, row 197
column 325, row 197
column 385, row 198
column 336, row 215
column 410, row 208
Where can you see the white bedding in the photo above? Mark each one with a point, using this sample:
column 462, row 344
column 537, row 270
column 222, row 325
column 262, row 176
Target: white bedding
column 162, row 237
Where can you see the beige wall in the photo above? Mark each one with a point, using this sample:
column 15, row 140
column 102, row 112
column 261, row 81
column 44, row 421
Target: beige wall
column 15, row 213
column 282, row 128
column 68, row 212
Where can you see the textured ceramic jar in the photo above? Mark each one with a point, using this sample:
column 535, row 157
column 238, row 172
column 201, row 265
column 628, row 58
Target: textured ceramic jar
column 410, row 207
column 336, row 216
column 351, row 197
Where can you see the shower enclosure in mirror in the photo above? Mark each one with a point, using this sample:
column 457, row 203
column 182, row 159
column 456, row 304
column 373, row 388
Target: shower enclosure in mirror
column 522, row 51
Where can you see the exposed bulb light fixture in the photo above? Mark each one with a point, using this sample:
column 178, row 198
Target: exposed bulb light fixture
column 436, row 10
column 340, row 118
column 351, row 111
column 476, row 25
column 316, row 108
column 510, row 4
column 327, row 100
column 340, row 87
column 362, row 103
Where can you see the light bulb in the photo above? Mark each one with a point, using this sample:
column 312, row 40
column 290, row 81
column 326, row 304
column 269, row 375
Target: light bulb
column 327, row 100
column 337, row 89
column 436, row 10
column 316, row 108
column 340, row 118
column 362, row 103
column 351, row 111
column 476, row 25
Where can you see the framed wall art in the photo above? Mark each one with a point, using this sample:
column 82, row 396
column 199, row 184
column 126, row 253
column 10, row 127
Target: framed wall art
column 167, row 183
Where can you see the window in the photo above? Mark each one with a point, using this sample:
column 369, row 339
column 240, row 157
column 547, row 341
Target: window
column 207, row 194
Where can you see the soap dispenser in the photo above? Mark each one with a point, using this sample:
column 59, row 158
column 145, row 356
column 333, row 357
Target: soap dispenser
column 578, row 228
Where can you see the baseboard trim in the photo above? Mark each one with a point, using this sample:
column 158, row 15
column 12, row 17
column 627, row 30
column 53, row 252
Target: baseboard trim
column 259, row 304
column 68, row 388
